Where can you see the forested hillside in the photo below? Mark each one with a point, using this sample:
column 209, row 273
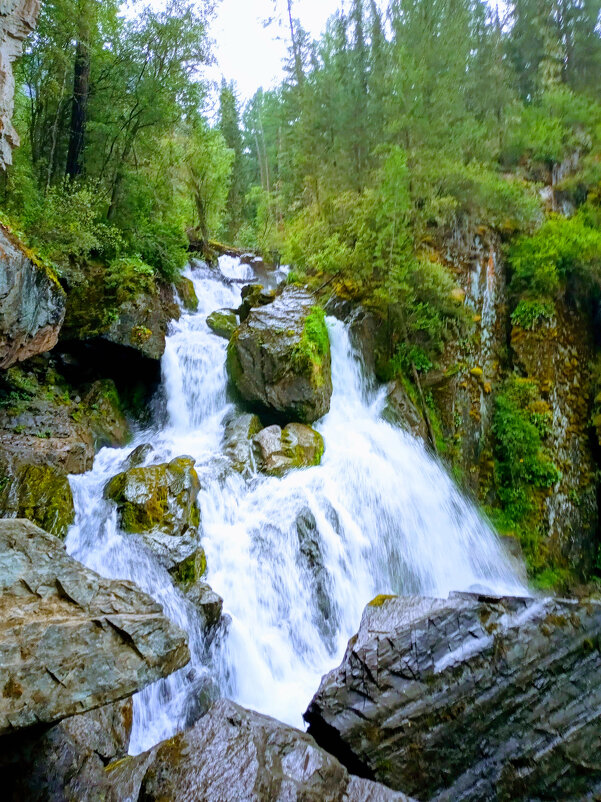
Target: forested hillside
column 406, row 137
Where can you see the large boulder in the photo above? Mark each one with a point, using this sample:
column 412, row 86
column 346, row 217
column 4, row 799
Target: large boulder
column 279, row 451
column 32, row 302
column 223, row 322
column 159, row 503
column 71, row 641
column 105, row 415
column 17, row 20
column 237, row 755
column 472, row 698
column 279, row 358
column 187, row 293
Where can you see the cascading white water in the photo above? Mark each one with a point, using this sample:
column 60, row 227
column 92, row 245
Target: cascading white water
column 295, row 559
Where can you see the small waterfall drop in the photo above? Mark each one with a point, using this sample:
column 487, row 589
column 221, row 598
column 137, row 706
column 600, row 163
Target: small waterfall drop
column 295, row 559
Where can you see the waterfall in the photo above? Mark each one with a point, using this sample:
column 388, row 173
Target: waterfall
column 295, row 559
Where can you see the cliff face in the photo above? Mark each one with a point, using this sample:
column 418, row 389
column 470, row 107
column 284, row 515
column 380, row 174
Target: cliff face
column 17, row 20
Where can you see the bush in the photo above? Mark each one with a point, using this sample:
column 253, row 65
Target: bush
column 127, row 277
column 530, row 314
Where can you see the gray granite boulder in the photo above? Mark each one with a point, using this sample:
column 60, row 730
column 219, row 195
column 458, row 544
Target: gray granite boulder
column 71, row 641
column 472, row 698
column 237, row 755
column 279, row 358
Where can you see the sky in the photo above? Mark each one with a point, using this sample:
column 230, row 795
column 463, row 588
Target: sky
column 250, row 54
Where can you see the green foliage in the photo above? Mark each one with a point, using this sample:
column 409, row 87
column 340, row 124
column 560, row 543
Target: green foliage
column 127, row 277
column 524, row 472
column 529, row 314
column 314, row 344
column 562, row 251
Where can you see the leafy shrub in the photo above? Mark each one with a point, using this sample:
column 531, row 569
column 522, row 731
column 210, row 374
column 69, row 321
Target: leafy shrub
column 129, row 276
column 529, row 314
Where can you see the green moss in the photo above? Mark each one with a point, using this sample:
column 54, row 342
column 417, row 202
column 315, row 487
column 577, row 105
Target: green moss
column 380, row 600
column 44, row 497
column 191, row 570
column 313, row 348
column 187, row 293
column 530, row 314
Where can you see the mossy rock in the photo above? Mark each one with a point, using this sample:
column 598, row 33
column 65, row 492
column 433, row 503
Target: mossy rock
column 187, row 293
column 223, row 322
column 104, row 412
column 43, row 495
column 279, row 358
column 159, row 497
column 297, row 446
column 191, row 570
column 237, row 441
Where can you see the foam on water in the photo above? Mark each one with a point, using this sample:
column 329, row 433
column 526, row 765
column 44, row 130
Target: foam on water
column 295, row 559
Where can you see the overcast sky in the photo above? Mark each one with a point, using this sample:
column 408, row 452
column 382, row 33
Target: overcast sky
column 250, row 54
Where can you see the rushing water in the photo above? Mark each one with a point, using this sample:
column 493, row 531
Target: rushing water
column 295, row 559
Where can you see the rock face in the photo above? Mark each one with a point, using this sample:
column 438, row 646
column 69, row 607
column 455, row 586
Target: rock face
column 40, row 493
column 32, row 302
column 240, row 756
column 71, row 641
column 279, row 451
column 66, row 761
column 279, row 358
column 187, row 293
column 473, row 698
column 17, row 20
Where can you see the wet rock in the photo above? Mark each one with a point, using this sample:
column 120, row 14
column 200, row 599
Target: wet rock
column 254, row 295
column 191, row 570
column 67, row 760
column 470, row 698
column 223, row 322
column 141, row 323
column 279, row 358
column 32, row 302
column 311, row 559
column 235, row 754
column 237, row 441
column 401, row 411
column 40, row 493
column 17, row 20
column 206, row 601
column 138, row 456
column 279, row 451
column 107, row 422
column 159, row 498
column 187, row 293
column 71, row 641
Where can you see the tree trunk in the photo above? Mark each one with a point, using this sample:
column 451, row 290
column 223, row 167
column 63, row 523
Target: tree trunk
column 79, row 108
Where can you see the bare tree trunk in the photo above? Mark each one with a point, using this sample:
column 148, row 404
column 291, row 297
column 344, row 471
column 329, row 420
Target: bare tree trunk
column 79, row 108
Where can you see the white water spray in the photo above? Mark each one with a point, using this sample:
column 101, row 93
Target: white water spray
column 295, row 559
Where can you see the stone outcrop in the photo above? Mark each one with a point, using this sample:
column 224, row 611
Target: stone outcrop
column 279, row 451
column 40, row 493
column 237, row 441
column 71, row 641
column 279, row 358
column 187, row 293
column 159, row 503
column 32, row 302
column 17, row 20
column 67, row 760
column 471, row 698
column 234, row 754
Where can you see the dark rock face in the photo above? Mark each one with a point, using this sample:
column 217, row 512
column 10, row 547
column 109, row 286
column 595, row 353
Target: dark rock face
column 66, row 761
column 40, row 493
column 236, row 755
column 32, row 304
column 279, row 358
column 237, row 441
column 69, row 640
column 401, row 411
column 474, row 698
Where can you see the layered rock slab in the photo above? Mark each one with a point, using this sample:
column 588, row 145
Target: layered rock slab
column 472, row 698
column 235, row 754
column 279, row 358
column 71, row 641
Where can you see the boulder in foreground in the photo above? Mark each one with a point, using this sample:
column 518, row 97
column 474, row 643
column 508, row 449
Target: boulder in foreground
column 472, row 698
column 237, row 755
column 71, row 641
column 279, row 358
column 279, row 451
